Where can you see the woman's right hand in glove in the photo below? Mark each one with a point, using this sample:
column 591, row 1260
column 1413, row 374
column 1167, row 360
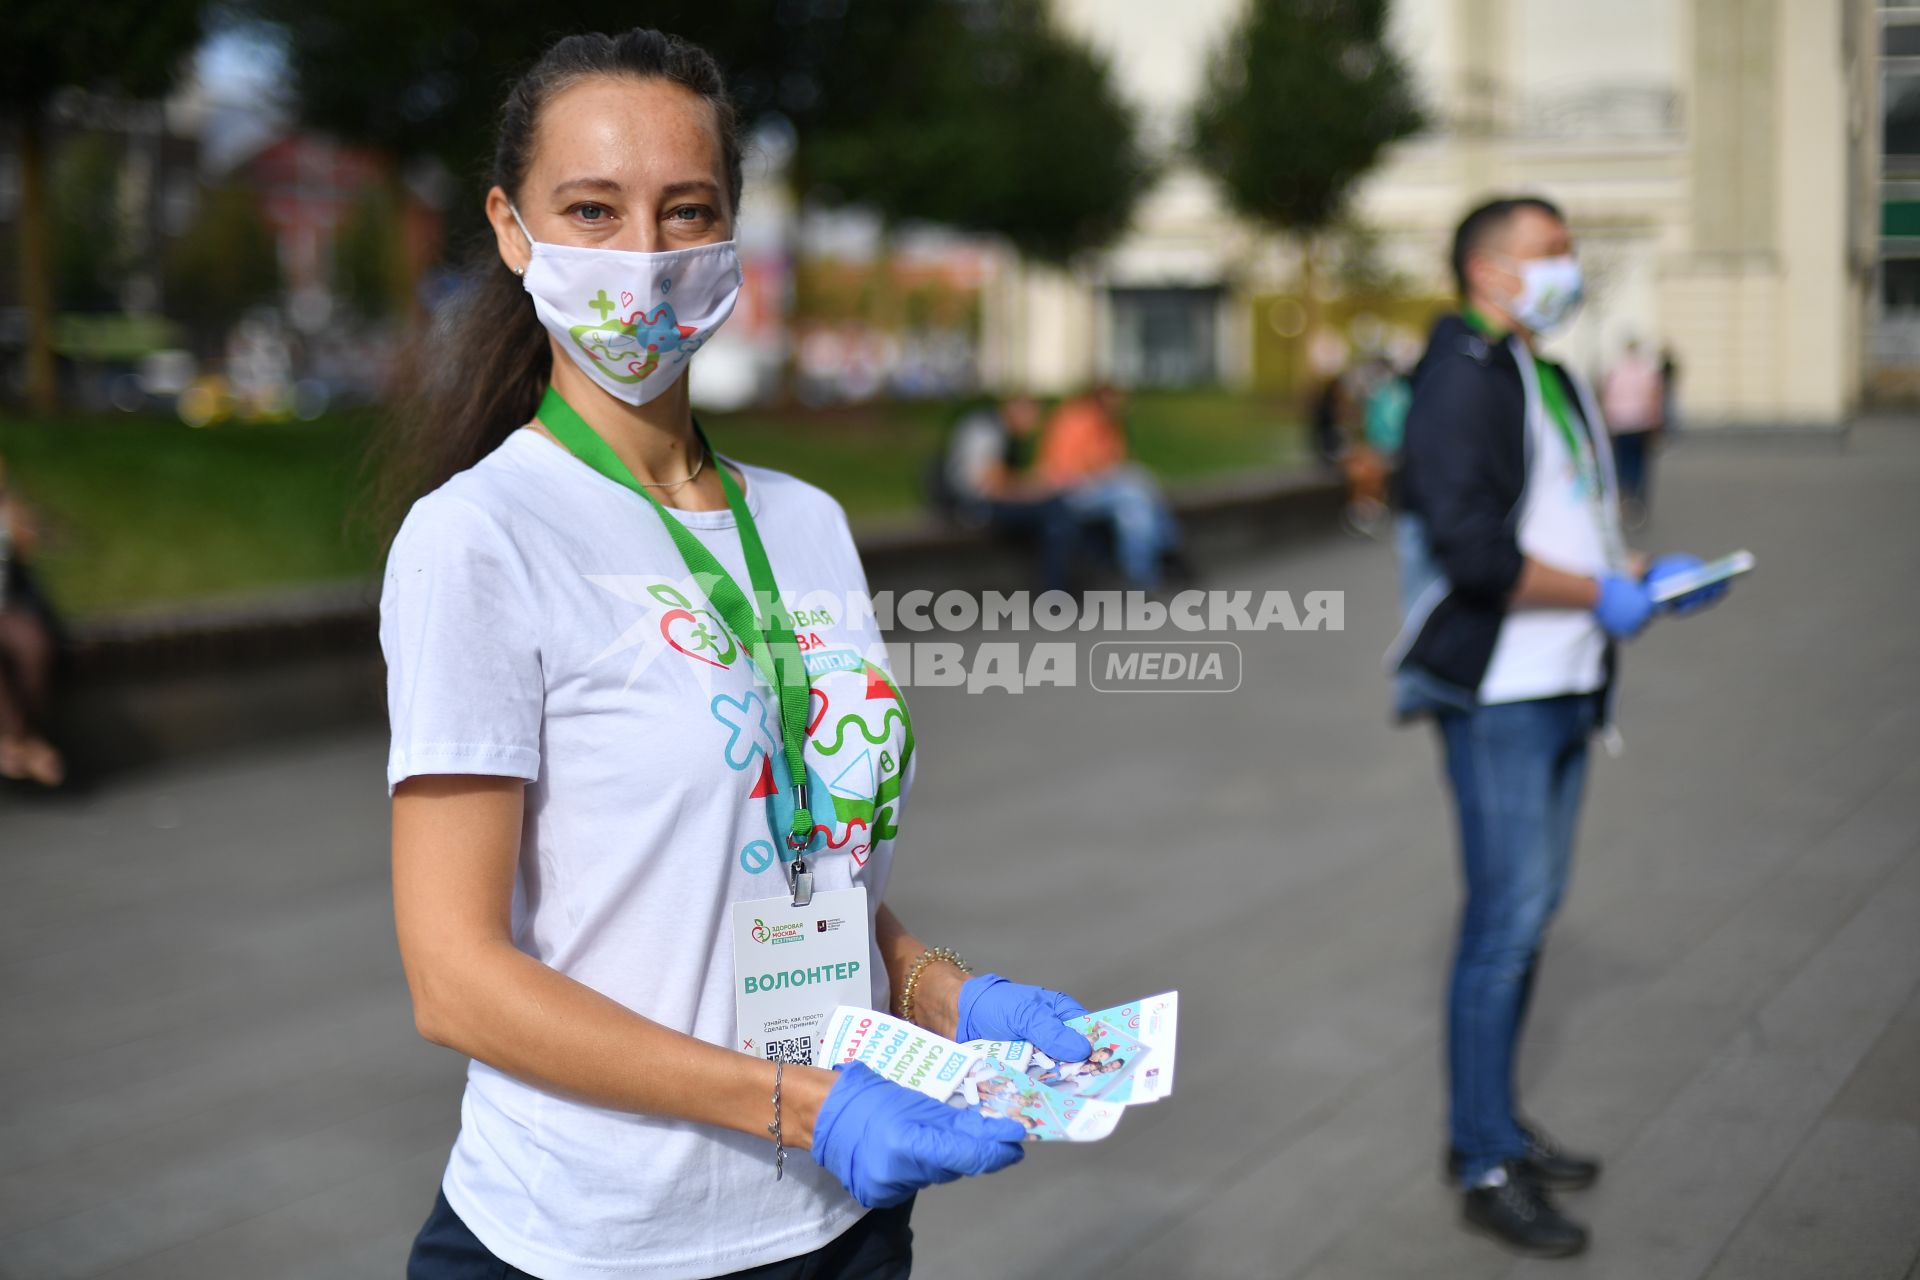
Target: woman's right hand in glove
column 885, row 1141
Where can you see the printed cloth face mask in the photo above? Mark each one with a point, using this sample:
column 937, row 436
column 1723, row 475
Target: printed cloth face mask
column 1551, row 289
column 631, row 320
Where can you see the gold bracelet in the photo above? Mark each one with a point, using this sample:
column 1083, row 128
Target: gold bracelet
column 919, row 964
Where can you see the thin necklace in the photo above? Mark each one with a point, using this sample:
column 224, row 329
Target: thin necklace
column 690, row 477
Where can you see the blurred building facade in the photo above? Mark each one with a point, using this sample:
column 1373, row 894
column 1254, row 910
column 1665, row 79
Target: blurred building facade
column 1722, row 162
column 1893, row 359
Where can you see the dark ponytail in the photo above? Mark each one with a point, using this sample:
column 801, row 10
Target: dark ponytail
column 478, row 371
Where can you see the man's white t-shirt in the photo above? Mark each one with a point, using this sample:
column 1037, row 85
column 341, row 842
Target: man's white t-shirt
column 978, row 450
column 539, row 623
column 1569, row 518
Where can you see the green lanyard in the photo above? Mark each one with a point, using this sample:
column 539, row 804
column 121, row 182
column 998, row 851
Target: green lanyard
column 1553, row 394
column 769, row 638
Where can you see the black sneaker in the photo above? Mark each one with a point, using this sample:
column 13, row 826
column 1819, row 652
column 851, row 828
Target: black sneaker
column 1516, row 1211
column 1546, row 1163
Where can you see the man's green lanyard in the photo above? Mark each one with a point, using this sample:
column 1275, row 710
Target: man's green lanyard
column 769, row 637
column 1553, row 394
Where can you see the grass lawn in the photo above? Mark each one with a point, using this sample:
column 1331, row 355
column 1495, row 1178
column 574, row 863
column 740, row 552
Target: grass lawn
column 143, row 511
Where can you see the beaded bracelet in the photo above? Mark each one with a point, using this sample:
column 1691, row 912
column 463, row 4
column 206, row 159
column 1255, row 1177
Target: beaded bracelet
column 919, row 964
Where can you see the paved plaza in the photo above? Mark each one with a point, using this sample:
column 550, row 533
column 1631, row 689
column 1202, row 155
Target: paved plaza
column 208, row 1068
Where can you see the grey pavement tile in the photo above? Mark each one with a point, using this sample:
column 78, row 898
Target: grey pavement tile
column 358, row 1230
column 1848, row 1204
column 1279, row 1216
column 1886, row 1085
column 345, row 1072
column 210, row 1195
column 1669, row 1203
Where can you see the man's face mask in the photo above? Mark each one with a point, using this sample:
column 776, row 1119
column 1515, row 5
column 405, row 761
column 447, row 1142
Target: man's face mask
column 1551, row 290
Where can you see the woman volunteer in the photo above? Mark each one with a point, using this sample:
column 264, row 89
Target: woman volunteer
column 640, row 825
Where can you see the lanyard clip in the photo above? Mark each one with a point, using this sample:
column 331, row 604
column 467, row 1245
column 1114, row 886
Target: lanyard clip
column 799, row 878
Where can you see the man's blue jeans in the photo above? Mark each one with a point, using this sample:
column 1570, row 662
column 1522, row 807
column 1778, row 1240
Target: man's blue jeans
column 1143, row 526
column 1517, row 770
column 1632, row 462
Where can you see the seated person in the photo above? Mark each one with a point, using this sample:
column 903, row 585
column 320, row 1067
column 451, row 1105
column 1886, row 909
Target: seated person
column 987, row 472
column 26, row 655
column 1083, row 454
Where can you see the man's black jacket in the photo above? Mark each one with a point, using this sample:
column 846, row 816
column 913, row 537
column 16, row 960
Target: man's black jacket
column 1463, row 473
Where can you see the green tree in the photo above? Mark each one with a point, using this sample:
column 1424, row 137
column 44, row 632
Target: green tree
column 110, row 46
column 970, row 112
column 226, row 262
column 1302, row 97
column 87, row 242
column 1000, row 124
column 1360, row 269
column 369, row 254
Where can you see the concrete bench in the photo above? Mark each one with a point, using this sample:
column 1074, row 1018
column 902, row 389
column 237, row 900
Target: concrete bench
column 223, row 674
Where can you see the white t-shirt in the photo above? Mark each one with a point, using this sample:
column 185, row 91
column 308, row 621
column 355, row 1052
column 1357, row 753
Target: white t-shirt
column 1633, row 395
column 978, row 450
column 1569, row 518
column 539, row 623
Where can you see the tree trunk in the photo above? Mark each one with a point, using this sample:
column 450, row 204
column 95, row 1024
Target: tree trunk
column 36, row 265
column 407, row 261
column 792, row 299
column 1309, row 290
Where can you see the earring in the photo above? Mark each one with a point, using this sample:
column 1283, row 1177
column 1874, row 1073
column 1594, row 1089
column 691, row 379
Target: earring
column 520, row 271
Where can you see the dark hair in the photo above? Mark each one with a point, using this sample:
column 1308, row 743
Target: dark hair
column 1488, row 221
column 478, row 371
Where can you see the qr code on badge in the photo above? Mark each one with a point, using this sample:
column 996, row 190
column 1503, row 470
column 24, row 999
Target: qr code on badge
column 798, row 1049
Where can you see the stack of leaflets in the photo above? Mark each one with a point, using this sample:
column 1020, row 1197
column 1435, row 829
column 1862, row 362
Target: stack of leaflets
column 1130, row 1062
column 895, row 1048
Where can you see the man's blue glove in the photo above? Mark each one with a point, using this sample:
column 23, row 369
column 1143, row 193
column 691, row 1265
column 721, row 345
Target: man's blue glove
column 1693, row 601
column 1623, row 607
column 884, row 1141
column 992, row 1008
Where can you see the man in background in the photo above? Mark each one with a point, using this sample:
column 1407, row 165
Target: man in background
column 1633, row 399
column 1517, row 586
column 988, row 473
column 1083, row 454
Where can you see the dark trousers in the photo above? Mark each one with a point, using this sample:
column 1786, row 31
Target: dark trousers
column 1633, row 464
column 1054, row 528
column 878, row 1247
column 1517, row 770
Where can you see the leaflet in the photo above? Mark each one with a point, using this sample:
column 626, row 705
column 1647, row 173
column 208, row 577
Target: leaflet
column 1115, row 1055
column 1130, row 1062
column 1013, row 1097
column 896, row 1049
column 1089, row 1120
column 1013, row 1053
column 1155, row 1021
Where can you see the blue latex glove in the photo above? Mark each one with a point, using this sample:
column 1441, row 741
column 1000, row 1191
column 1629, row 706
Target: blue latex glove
column 884, row 1141
column 1624, row 606
column 992, row 1008
column 1693, row 601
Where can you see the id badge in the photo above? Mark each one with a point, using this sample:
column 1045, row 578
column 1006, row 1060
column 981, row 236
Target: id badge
column 792, row 966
